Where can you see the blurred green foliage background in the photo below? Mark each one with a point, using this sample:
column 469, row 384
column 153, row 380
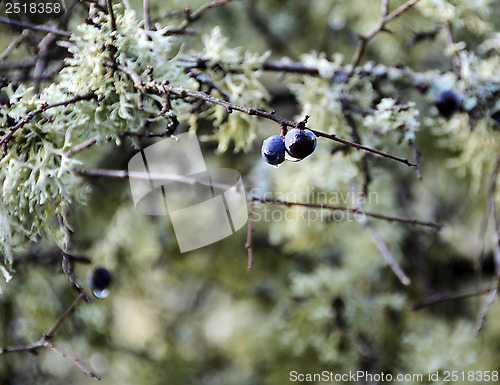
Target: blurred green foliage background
column 320, row 295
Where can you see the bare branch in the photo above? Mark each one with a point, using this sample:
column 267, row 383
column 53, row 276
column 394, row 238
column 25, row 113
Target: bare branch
column 352, row 210
column 164, row 89
column 34, row 27
column 193, row 16
column 489, row 301
column 82, row 146
column 72, row 359
column 145, row 5
column 14, row 45
column 289, row 67
column 109, row 4
column 384, row 19
column 251, row 229
column 90, row 142
column 386, row 253
column 455, row 59
column 41, row 61
column 65, row 315
column 122, row 174
column 438, row 298
column 492, row 213
column 44, row 342
column 416, row 155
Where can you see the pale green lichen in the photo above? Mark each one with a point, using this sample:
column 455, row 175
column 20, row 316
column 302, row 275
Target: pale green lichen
column 37, row 179
column 389, row 118
column 467, row 14
column 240, row 80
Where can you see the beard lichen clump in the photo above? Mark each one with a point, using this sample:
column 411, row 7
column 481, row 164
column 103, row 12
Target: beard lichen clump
column 38, row 182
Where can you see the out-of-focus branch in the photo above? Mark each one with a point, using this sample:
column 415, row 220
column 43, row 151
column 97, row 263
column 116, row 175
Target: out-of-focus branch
column 122, row 174
column 386, row 253
column 455, row 59
column 14, row 45
column 190, row 17
column 385, row 18
column 165, row 89
column 44, row 341
column 251, row 229
column 438, row 298
column 493, row 217
column 34, row 27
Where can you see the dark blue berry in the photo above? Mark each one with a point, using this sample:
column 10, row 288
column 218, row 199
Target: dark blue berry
column 99, row 280
column 496, row 118
column 273, row 150
column 300, row 143
column 447, row 102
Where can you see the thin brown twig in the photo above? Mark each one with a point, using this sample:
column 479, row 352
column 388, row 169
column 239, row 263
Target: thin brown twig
column 44, row 342
column 112, row 50
column 352, row 210
column 492, row 213
column 289, row 68
column 165, row 89
column 41, row 61
column 65, row 354
column 81, row 146
column 418, row 80
column 109, row 4
column 489, row 301
column 190, row 17
column 438, row 298
column 276, row 42
column 379, row 242
column 65, row 315
column 14, row 45
column 145, row 6
column 421, row 36
column 386, row 253
column 495, row 235
column 67, row 260
column 122, row 174
column 27, row 62
column 416, row 154
column 90, row 142
column 48, row 256
column 34, row 26
column 455, row 59
column 251, row 229
column 355, row 134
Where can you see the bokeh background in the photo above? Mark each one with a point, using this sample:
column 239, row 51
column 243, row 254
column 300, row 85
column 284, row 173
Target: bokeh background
column 320, row 295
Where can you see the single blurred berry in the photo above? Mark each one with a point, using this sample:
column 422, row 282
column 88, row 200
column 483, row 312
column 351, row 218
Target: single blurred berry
column 447, row 102
column 99, row 280
column 273, row 150
column 496, row 118
column 300, row 143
